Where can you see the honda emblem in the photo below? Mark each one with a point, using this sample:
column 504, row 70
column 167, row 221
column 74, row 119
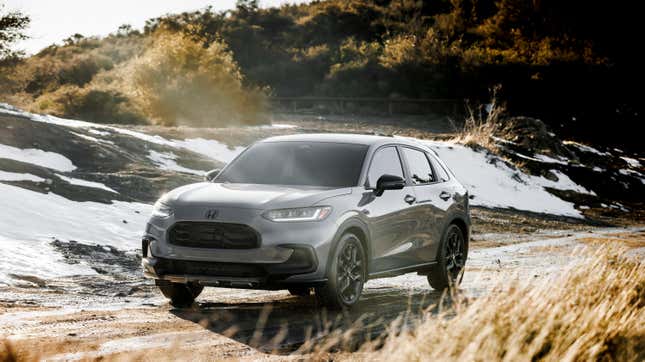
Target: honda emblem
column 211, row 214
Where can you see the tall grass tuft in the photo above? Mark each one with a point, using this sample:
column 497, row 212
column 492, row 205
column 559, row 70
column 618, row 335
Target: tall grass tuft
column 592, row 310
column 481, row 124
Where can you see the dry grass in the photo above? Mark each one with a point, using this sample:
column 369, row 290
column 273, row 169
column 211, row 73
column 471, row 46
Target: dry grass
column 630, row 243
column 594, row 310
column 481, row 125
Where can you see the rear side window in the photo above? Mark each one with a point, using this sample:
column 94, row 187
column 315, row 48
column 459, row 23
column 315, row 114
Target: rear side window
column 386, row 161
column 419, row 166
column 442, row 174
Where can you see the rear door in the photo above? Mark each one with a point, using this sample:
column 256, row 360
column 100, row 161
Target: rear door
column 390, row 217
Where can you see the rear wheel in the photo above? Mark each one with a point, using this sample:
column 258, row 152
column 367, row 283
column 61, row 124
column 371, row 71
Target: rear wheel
column 300, row 291
column 451, row 259
column 346, row 275
column 180, row 295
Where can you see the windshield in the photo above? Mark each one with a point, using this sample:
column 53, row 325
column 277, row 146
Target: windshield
column 297, row 163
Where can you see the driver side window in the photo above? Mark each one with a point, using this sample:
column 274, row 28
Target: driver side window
column 386, row 161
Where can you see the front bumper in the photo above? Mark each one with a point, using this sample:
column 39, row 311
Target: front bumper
column 288, row 252
column 282, row 248
column 302, row 260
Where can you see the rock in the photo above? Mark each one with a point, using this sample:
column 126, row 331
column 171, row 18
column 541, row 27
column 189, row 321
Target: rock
column 531, row 134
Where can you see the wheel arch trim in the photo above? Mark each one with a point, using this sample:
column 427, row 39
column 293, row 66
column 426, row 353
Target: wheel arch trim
column 355, row 225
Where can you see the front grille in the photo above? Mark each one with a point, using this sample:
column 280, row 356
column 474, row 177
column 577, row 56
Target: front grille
column 214, row 235
column 181, row 267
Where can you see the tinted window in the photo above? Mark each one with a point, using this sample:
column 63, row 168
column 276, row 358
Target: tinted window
column 385, row 162
column 298, row 163
column 442, row 174
column 419, row 166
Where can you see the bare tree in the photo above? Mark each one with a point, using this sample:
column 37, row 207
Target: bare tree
column 12, row 26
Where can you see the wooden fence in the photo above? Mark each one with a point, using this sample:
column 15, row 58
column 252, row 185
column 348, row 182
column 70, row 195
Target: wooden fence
column 390, row 106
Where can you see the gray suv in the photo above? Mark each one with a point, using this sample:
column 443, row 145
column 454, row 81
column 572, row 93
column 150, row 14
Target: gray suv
column 321, row 212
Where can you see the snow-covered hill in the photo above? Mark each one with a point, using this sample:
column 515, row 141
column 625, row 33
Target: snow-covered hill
column 70, row 180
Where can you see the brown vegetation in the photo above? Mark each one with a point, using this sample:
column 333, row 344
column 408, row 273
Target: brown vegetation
column 482, row 125
column 593, row 310
column 166, row 77
column 555, row 62
column 178, row 80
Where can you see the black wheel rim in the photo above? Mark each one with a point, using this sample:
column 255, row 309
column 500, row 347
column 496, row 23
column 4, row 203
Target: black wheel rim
column 350, row 273
column 455, row 254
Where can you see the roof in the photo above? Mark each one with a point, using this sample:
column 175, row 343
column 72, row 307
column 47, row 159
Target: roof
column 362, row 139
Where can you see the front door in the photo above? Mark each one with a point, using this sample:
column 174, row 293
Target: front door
column 391, row 217
column 431, row 204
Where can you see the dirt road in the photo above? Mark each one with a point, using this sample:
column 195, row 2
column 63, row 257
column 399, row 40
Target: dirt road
column 122, row 316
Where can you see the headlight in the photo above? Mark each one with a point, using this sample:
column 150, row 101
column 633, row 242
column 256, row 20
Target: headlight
column 316, row 213
column 161, row 209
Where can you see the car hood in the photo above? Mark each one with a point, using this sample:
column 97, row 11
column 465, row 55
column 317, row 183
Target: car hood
column 250, row 196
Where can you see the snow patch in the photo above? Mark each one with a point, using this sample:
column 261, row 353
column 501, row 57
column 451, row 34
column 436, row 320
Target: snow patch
column 166, row 161
column 84, row 183
column 210, row 148
column 13, row 176
column 30, row 215
column 502, row 140
column 495, row 184
column 31, row 220
column 93, row 139
column 563, row 183
column 633, row 173
column 585, row 148
column 632, row 162
column 619, row 206
column 34, row 258
column 37, row 157
column 282, row 126
column 542, row 158
column 548, row 159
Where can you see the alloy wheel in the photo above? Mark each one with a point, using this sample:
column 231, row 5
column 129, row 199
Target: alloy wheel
column 349, row 274
column 455, row 254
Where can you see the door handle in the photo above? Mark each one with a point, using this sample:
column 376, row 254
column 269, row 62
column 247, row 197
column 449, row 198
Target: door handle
column 409, row 199
column 444, row 196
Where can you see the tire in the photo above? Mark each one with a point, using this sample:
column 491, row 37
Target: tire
column 180, row 295
column 346, row 275
column 451, row 259
column 300, row 291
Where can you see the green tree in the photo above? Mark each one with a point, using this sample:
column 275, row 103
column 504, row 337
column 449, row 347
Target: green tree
column 12, row 26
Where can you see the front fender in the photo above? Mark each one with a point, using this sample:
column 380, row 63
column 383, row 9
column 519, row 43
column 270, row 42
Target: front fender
column 351, row 222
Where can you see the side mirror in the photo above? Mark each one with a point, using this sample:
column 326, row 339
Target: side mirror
column 210, row 175
column 388, row 182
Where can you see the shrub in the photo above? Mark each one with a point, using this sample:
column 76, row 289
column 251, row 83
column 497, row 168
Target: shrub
column 178, row 80
column 94, row 105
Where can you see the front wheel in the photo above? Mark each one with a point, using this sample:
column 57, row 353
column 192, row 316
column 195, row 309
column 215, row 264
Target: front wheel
column 180, row 295
column 346, row 275
column 451, row 259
